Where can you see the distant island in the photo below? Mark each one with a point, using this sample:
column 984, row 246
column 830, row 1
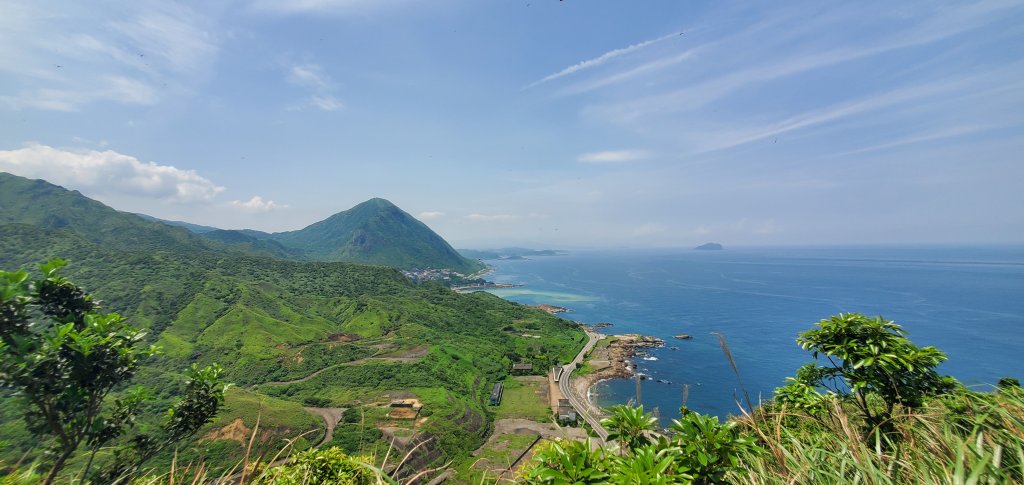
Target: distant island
column 709, row 247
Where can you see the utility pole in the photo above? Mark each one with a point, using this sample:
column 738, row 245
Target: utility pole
column 639, row 392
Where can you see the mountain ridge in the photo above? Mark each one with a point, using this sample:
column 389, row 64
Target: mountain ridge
column 374, row 232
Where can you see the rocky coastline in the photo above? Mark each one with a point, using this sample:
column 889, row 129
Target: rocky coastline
column 614, row 361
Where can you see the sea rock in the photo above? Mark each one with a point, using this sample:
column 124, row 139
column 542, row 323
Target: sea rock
column 684, row 336
column 552, row 309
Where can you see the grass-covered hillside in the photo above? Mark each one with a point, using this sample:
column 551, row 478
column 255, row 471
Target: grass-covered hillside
column 291, row 335
column 41, row 204
column 377, row 232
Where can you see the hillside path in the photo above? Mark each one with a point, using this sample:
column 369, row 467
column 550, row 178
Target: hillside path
column 332, row 416
column 408, row 359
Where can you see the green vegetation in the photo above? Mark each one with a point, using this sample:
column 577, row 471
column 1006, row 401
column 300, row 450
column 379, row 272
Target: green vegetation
column 46, row 206
column 524, row 399
column 868, row 358
column 288, row 333
column 331, row 465
column 495, row 459
column 63, row 359
column 376, row 232
column 698, row 449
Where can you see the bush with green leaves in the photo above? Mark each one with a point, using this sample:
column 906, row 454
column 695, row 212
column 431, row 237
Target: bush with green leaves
column 698, row 449
column 327, row 466
column 869, row 362
column 565, row 462
column 708, row 449
column 630, row 426
column 63, row 360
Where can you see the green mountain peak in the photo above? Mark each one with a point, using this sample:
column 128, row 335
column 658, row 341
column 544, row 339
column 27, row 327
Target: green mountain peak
column 376, row 232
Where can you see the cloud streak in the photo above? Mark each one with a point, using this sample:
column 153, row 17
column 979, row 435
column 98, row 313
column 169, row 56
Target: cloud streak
column 312, row 78
column 334, row 7
column 720, row 140
column 614, row 156
column 597, row 61
column 475, row 217
column 945, row 24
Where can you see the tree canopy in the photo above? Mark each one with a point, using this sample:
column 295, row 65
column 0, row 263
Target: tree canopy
column 63, row 358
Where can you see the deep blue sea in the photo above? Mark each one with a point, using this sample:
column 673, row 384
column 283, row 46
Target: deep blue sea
column 966, row 301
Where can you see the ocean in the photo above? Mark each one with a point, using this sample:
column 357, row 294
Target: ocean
column 966, row 301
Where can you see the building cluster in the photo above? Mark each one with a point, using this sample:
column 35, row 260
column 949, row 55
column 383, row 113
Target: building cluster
column 420, row 275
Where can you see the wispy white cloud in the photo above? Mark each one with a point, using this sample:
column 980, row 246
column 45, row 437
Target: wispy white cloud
column 630, row 73
column 312, row 78
column 334, row 7
column 941, row 134
column 704, row 50
column 491, row 217
column 257, row 204
column 326, row 103
column 614, row 156
column 599, row 60
column 118, row 89
column 940, row 25
column 134, row 54
column 108, row 172
column 723, row 139
column 425, row 215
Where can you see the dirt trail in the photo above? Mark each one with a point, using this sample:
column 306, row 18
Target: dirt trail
column 411, row 356
column 332, row 416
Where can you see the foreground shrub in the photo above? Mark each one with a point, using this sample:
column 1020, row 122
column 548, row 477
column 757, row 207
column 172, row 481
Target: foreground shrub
column 63, row 359
column 327, row 466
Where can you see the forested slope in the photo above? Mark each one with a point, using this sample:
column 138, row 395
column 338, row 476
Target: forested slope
column 289, row 334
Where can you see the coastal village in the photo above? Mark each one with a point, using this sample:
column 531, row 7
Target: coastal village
column 459, row 282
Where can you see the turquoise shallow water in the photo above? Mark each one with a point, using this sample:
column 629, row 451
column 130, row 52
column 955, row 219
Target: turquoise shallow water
column 967, row 301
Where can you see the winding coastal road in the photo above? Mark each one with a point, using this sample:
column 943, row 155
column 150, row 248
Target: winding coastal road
column 563, row 383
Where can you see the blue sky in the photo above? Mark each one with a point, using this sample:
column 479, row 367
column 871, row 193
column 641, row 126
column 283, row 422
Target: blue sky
column 557, row 123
